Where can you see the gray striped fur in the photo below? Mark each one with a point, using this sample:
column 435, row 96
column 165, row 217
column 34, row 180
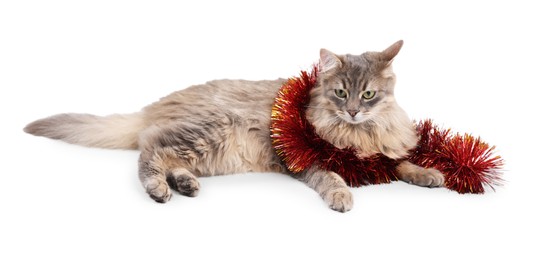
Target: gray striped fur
column 222, row 127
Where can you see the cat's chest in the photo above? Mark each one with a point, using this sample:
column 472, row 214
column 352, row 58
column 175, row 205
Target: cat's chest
column 392, row 143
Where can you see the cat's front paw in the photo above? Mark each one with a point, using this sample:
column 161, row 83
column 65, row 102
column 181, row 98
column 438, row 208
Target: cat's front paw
column 429, row 177
column 425, row 177
column 339, row 199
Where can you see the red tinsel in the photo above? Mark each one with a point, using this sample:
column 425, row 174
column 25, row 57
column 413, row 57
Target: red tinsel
column 467, row 163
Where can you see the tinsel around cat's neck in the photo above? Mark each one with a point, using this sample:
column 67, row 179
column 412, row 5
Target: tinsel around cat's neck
column 467, row 163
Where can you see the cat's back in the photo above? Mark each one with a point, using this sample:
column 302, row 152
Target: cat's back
column 242, row 98
column 234, row 93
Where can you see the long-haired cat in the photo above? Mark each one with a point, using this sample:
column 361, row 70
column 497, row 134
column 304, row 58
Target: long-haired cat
column 222, row 127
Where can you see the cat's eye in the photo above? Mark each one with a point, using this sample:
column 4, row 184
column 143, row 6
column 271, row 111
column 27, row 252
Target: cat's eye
column 341, row 93
column 369, row 94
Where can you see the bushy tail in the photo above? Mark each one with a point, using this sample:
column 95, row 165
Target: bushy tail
column 114, row 131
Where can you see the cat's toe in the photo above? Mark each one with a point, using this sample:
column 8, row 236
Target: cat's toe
column 340, row 200
column 158, row 191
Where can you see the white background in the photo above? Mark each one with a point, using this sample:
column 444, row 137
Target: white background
column 466, row 65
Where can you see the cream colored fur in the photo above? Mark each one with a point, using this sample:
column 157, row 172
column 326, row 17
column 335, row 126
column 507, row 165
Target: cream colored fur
column 222, row 127
column 113, row 131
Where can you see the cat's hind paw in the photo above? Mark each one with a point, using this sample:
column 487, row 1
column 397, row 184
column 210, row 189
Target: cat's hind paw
column 158, row 190
column 184, row 182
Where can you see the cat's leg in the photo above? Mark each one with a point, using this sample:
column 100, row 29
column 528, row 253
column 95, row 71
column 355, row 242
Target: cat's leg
column 153, row 169
column 414, row 174
column 330, row 186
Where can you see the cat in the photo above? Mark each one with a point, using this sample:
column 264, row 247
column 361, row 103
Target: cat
column 222, row 127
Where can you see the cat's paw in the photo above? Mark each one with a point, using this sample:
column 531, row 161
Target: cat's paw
column 158, row 190
column 184, row 183
column 430, row 177
column 339, row 199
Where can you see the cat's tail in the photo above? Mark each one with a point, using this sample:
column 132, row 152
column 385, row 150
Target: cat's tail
column 113, row 131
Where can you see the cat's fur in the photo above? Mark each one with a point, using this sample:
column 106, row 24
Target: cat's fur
column 222, row 127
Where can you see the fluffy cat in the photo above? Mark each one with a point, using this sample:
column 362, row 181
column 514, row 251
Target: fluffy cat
column 222, row 127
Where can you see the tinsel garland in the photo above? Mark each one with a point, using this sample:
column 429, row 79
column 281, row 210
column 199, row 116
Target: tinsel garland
column 467, row 163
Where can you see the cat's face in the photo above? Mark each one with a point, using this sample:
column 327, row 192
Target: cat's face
column 356, row 88
column 353, row 104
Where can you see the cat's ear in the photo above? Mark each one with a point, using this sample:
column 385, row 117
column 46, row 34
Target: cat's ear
column 328, row 60
column 391, row 52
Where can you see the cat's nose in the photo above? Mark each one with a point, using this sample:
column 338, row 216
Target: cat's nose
column 352, row 112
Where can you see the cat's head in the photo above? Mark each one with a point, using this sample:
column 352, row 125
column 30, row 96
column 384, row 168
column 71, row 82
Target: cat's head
column 353, row 104
column 356, row 88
